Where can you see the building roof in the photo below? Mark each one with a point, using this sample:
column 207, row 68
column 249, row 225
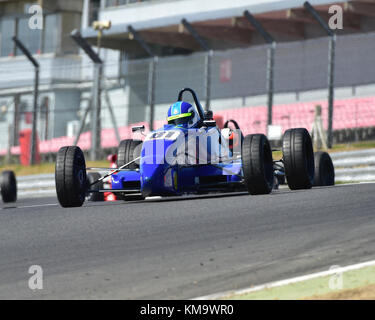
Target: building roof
column 222, row 23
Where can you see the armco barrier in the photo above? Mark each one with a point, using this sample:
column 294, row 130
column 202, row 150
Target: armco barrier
column 36, row 185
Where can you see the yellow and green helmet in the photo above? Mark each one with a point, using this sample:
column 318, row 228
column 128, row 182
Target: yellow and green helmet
column 181, row 113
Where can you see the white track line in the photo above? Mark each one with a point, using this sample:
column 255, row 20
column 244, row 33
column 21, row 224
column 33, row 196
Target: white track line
column 287, row 281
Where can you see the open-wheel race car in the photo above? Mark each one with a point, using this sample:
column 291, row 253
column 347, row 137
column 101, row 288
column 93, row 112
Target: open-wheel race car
column 191, row 155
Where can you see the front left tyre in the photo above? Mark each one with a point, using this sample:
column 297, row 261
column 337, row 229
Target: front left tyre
column 70, row 177
column 257, row 164
column 8, row 186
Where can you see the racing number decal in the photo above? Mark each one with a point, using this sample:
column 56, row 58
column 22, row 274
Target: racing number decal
column 163, row 135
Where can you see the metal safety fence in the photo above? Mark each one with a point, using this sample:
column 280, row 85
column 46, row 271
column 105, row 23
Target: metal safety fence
column 237, row 80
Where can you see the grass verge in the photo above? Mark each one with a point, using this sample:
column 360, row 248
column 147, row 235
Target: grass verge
column 356, row 284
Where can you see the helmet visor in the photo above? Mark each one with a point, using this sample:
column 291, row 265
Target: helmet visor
column 180, row 119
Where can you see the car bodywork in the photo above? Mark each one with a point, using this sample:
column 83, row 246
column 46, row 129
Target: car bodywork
column 175, row 160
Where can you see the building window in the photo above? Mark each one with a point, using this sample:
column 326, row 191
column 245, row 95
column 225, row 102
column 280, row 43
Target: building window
column 94, row 11
column 31, row 38
column 8, row 30
column 51, row 33
column 37, row 41
column 115, row 3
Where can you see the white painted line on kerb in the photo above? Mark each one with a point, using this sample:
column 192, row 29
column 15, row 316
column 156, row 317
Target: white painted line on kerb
column 287, row 281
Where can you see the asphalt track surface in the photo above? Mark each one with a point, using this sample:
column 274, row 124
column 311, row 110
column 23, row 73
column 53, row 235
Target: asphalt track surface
column 177, row 249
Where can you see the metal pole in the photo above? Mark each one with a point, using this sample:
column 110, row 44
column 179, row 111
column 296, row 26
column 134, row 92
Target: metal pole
column 82, row 124
column 331, row 69
column 10, row 142
column 113, row 118
column 270, row 77
column 95, row 109
column 95, row 114
column 208, row 59
column 16, row 120
column 208, row 68
column 34, row 119
column 331, row 88
column 29, row 56
column 46, row 108
column 151, row 72
column 270, row 61
column 151, row 89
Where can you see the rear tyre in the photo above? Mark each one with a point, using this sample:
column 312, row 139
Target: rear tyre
column 257, row 164
column 298, row 157
column 8, row 186
column 70, row 177
column 324, row 170
column 91, row 178
column 129, row 150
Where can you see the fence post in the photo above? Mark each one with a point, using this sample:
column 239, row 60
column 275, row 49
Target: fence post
column 95, row 108
column 151, row 72
column 95, row 112
column 208, row 59
column 27, row 53
column 270, row 61
column 270, row 79
column 208, row 71
column 151, row 89
column 331, row 68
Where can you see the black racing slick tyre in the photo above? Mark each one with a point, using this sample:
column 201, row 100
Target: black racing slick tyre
column 8, row 186
column 94, row 196
column 70, row 177
column 257, row 164
column 128, row 150
column 298, row 157
column 324, row 170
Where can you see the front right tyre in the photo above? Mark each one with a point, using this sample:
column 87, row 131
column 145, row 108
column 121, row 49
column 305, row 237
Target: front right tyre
column 70, row 177
column 298, row 158
column 128, row 150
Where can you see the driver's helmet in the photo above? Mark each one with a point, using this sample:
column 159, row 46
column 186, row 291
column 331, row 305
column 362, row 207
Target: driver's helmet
column 182, row 114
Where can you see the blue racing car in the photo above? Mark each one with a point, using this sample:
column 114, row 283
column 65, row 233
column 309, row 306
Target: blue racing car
column 191, row 155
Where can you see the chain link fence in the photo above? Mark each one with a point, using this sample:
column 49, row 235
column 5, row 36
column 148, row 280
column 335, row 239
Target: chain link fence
column 237, row 76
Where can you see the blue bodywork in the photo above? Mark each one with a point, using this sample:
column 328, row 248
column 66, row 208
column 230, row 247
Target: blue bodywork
column 160, row 174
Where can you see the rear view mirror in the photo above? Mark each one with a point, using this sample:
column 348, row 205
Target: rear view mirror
column 138, row 128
